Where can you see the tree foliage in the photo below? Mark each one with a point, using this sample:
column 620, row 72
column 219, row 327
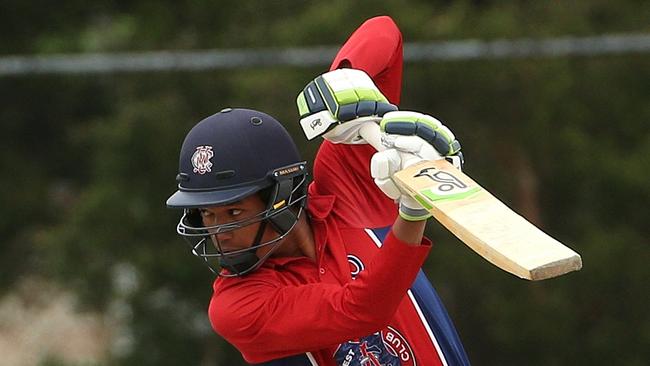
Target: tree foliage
column 91, row 159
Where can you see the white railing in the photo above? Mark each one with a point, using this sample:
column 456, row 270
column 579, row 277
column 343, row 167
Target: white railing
column 313, row 56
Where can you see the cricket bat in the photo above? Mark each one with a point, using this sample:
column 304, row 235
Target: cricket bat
column 479, row 219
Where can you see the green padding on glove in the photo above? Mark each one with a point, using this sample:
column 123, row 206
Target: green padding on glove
column 339, row 96
column 302, row 104
column 422, row 125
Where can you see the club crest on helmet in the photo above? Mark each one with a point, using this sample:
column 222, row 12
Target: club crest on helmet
column 201, row 159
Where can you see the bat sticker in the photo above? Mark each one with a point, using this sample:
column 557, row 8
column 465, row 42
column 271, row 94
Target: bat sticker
column 448, row 181
column 447, row 187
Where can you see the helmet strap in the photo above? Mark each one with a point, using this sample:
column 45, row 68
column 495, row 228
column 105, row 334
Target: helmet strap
column 239, row 263
column 283, row 221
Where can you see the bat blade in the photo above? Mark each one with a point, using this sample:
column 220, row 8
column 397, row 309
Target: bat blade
column 486, row 224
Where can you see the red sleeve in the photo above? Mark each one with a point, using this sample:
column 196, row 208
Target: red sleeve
column 266, row 320
column 376, row 48
column 343, row 171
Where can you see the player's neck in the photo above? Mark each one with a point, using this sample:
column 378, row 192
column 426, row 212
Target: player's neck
column 301, row 239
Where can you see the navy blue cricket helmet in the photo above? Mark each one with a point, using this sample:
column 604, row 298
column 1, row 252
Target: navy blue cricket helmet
column 225, row 158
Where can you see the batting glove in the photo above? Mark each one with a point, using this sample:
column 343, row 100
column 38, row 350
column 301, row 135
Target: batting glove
column 385, row 164
column 429, row 129
column 410, row 138
column 337, row 103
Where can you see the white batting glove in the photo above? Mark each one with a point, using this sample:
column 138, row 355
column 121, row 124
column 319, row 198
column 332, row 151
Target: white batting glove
column 411, row 138
column 404, row 151
column 337, row 103
column 437, row 135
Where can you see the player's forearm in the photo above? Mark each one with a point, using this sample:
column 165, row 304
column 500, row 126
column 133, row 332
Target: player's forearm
column 410, row 232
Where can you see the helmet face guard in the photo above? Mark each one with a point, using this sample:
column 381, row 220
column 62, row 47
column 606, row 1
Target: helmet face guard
column 283, row 210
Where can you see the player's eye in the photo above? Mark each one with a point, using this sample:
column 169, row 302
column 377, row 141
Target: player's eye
column 205, row 213
column 234, row 212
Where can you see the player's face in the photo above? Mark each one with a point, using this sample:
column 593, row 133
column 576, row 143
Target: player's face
column 240, row 238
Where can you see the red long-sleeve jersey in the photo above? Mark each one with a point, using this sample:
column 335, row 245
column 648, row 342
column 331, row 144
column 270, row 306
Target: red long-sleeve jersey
column 365, row 300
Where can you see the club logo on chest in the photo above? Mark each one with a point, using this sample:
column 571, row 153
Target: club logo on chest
column 356, row 265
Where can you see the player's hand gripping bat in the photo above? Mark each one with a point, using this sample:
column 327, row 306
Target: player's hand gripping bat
column 479, row 219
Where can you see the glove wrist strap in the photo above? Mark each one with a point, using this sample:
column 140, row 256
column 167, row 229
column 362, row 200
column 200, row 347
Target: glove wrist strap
column 413, row 214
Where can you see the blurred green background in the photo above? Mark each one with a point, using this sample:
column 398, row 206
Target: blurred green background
column 90, row 159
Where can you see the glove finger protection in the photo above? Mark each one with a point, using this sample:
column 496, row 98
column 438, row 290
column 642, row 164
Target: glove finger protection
column 429, row 129
column 382, row 167
column 337, row 103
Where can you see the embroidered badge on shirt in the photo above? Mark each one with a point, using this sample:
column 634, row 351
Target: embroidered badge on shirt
column 385, row 348
column 356, row 265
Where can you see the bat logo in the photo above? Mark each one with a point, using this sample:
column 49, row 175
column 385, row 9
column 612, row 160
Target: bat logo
column 447, row 187
column 447, row 181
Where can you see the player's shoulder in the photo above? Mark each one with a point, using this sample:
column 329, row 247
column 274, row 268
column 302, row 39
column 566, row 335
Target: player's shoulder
column 237, row 301
column 235, row 298
column 276, row 272
column 259, row 278
column 384, row 22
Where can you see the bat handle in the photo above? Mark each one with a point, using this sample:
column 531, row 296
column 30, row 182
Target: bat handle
column 371, row 133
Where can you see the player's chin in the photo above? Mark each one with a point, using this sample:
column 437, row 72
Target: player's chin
column 226, row 246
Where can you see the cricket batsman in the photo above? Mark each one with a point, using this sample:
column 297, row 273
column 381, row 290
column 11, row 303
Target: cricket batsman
column 325, row 272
